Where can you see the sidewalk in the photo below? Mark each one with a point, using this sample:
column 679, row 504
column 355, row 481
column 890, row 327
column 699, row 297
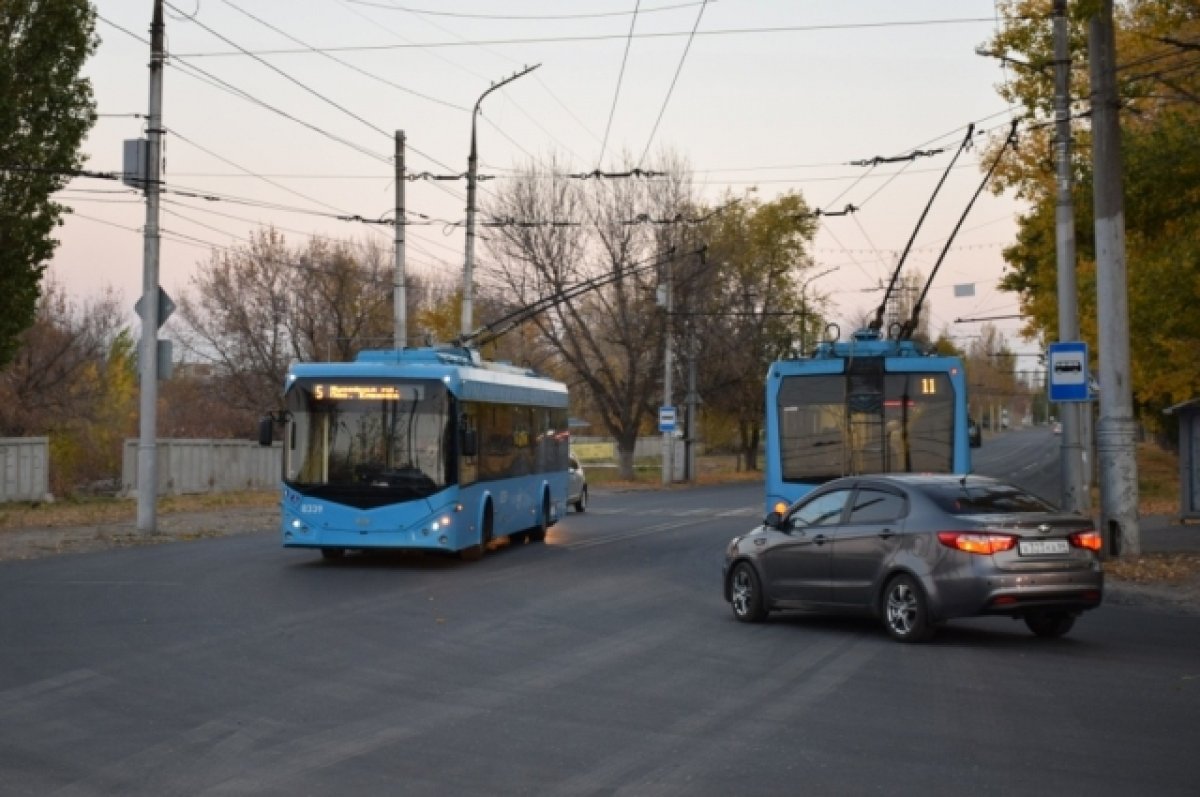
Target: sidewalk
column 1167, row 534
column 1167, row 575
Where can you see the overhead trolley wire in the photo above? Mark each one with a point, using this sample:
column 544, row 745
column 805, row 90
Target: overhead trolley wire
column 620, row 78
column 671, row 90
column 520, row 17
column 613, row 36
column 346, row 64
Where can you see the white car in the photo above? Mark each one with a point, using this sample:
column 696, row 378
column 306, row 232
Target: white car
column 577, row 494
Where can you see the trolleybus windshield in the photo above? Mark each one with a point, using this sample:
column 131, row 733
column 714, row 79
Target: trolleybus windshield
column 833, row 425
column 370, row 442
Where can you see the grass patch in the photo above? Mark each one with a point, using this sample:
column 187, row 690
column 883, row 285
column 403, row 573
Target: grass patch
column 1155, row 568
column 1158, row 480
column 96, row 511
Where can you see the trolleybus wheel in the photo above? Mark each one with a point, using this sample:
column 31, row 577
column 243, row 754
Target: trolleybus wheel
column 538, row 532
column 474, row 553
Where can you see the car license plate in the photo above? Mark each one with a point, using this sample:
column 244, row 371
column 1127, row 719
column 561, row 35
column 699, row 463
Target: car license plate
column 1042, row 547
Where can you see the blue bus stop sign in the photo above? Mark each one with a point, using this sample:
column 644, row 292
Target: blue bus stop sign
column 1068, row 369
column 666, row 419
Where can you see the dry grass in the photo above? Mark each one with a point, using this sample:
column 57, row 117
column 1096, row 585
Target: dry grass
column 1158, row 488
column 1158, row 480
column 94, row 511
column 1156, row 568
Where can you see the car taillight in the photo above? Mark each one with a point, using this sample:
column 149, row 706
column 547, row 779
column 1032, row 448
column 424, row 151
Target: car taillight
column 976, row 542
column 1089, row 539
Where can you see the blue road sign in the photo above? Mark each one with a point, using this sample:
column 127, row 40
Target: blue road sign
column 1068, row 369
column 666, row 419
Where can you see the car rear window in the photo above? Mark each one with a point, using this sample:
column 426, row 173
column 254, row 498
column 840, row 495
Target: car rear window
column 986, row 499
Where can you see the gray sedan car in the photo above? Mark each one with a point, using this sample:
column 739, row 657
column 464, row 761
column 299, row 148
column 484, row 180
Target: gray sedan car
column 916, row 550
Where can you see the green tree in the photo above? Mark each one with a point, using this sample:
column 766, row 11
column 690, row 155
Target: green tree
column 750, row 307
column 46, row 109
column 1158, row 79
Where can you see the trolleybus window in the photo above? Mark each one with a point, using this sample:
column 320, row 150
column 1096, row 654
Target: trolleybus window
column 369, row 443
column 836, row 424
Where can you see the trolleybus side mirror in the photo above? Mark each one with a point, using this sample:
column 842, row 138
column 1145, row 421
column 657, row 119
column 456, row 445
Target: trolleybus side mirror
column 470, row 442
column 266, row 430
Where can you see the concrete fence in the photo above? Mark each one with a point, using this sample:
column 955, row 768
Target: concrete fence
column 24, row 468
column 206, row 466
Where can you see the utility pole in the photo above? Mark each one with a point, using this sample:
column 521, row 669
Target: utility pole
column 668, row 437
column 693, row 405
column 1115, row 432
column 1075, row 496
column 472, row 178
column 147, row 500
column 400, row 333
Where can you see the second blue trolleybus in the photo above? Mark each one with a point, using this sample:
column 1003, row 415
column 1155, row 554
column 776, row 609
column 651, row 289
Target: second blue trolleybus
column 429, row 448
column 868, row 405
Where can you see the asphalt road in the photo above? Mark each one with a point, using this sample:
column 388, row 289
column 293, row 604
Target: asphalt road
column 1025, row 456
column 602, row 662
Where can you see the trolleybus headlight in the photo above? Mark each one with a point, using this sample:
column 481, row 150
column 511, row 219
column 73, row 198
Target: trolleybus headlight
column 297, row 525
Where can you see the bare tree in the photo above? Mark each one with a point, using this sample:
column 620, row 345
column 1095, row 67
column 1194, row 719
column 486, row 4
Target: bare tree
column 73, row 380
column 553, row 236
column 240, row 317
column 254, row 310
column 54, row 373
column 346, row 301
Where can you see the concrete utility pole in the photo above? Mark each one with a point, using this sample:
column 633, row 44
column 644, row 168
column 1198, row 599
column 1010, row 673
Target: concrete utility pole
column 668, row 438
column 1075, row 496
column 1115, row 433
column 147, row 500
column 472, row 178
column 400, row 333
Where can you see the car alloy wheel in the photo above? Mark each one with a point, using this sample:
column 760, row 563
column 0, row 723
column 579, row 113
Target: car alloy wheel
column 904, row 611
column 745, row 594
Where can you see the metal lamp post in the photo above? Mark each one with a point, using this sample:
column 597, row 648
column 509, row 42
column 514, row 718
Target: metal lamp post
column 472, row 172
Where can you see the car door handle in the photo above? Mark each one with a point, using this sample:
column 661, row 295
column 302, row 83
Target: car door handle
column 820, row 539
column 886, row 534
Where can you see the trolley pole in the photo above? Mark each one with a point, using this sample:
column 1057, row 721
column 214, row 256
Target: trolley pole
column 1075, row 496
column 1116, row 430
column 147, row 481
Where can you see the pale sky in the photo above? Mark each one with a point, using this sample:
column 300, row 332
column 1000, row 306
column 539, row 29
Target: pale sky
column 778, row 94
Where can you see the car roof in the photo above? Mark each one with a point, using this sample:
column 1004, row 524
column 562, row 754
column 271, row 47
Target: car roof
column 914, row 480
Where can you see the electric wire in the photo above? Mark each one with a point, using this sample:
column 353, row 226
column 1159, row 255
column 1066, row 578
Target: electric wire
column 671, row 90
column 610, row 37
column 346, row 64
column 617, row 89
column 519, row 17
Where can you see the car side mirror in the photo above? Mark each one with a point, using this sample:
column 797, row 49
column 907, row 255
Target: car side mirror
column 774, row 520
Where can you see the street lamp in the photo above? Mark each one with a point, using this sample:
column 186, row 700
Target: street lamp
column 472, row 170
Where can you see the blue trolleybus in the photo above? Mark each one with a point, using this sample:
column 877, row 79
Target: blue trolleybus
column 868, row 405
column 428, row 448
